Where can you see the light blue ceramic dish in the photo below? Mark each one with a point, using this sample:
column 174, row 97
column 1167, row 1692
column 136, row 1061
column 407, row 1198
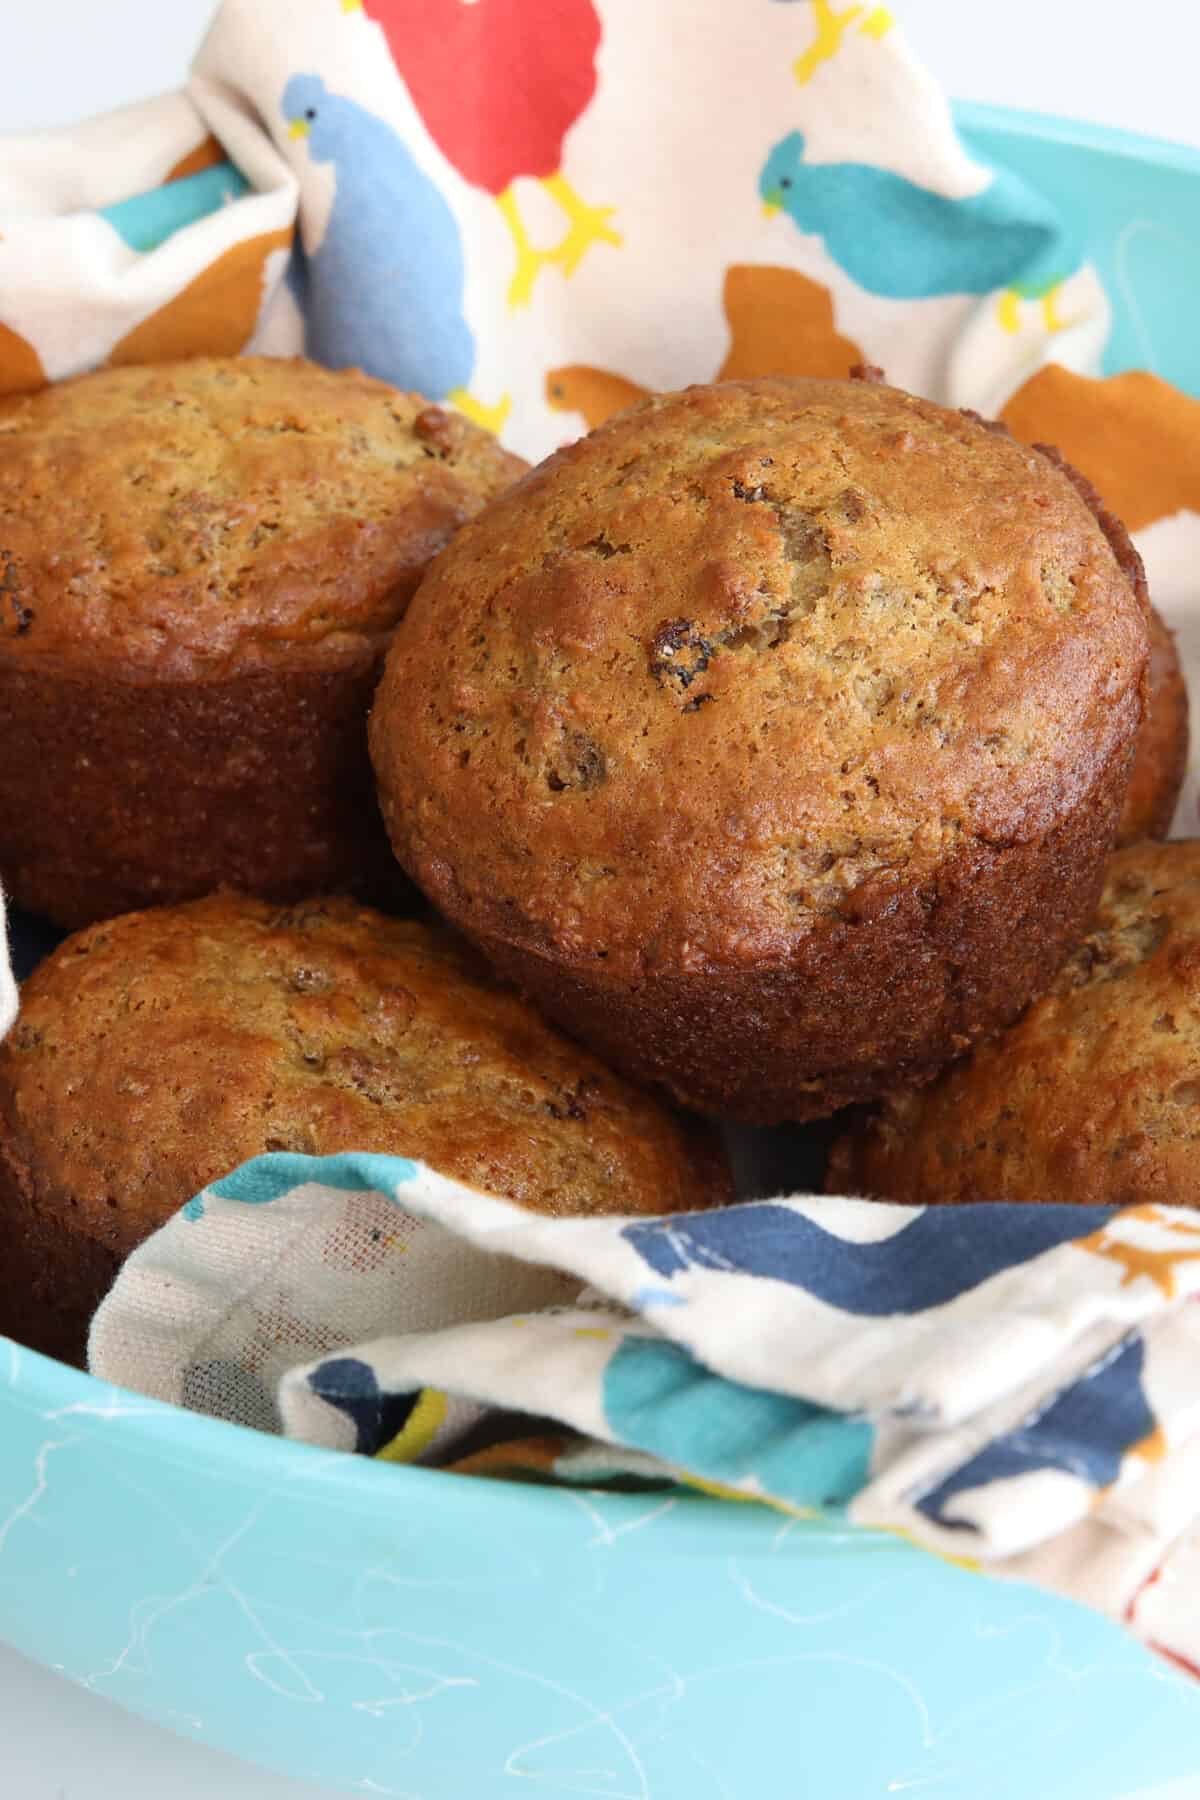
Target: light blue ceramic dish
column 398, row 1632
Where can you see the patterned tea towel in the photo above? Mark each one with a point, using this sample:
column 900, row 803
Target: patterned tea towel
column 527, row 210
column 1018, row 1390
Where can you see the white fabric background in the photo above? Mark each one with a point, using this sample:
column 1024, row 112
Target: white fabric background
column 1092, row 59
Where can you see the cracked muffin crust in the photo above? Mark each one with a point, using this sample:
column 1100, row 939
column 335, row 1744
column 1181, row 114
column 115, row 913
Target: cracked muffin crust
column 200, row 567
column 772, row 736
column 1162, row 750
column 157, row 1051
column 1093, row 1096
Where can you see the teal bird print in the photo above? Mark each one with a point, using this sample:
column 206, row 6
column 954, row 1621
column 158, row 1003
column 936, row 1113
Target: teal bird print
column 147, row 220
column 907, row 242
column 384, row 291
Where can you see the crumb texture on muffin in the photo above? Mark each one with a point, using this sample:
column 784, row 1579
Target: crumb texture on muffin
column 172, row 519
column 750, row 668
column 200, row 568
column 1093, row 1096
column 1160, row 764
column 159, row 1050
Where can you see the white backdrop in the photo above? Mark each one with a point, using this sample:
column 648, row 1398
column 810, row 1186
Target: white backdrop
column 1101, row 59
column 62, row 59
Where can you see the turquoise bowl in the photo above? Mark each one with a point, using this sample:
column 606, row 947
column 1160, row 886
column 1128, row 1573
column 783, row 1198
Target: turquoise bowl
column 394, row 1631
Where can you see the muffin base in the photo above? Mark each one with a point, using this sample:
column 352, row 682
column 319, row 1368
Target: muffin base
column 54, row 1277
column 140, row 794
column 1161, row 761
column 764, row 1046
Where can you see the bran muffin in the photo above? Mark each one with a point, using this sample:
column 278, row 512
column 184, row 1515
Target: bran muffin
column 200, row 567
column 772, row 737
column 157, row 1051
column 1161, row 760
column 1093, row 1096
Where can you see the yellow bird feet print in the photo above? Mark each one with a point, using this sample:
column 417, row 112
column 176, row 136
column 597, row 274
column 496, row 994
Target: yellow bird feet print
column 832, row 27
column 420, row 1429
column 1051, row 316
column 586, row 225
column 878, row 22
column 491, row 418
column 1009, row 309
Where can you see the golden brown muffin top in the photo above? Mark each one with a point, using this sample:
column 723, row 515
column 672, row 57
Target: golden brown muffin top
column 1094, row 1096
column 1161, row 760
column 179, row 519
column 157, row 1051
column 746, row 658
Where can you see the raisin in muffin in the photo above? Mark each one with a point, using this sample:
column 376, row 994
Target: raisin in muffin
column 772, row 737
column 1094, row 1096
column 200, row 567
column 157, row 1051
column 1161, row 761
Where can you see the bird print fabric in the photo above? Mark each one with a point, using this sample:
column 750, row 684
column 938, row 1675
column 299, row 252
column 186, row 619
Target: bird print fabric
column 895, row 237
column 529, row 72
column 780, row 323
column 1019, row 1399
column 831, row 27
column 540, row 210
column 391, row 240
column 600, row 221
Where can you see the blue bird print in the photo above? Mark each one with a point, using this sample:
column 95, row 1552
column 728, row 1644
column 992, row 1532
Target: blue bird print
column 907, row 242
column 384, row 290
column 147, row 220
column 1087, row 1431
column 921, row 1266
column 351, row 1386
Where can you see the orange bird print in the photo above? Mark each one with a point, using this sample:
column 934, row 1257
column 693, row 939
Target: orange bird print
column 1133, row 435
column 21, row 368
column 780, row 323
column 498, row 84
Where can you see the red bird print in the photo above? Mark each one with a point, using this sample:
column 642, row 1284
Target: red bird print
column 498, row 84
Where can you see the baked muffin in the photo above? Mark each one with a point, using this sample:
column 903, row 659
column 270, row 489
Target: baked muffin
column 157, row 1051
column 772, row 737
column 200, row 567
column 1162, row 751
column 1094, row 1096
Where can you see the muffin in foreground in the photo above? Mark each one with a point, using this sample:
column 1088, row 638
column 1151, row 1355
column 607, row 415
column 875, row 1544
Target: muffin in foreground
column 1162, row 751
column 157, row 1051
column 200, row 568
column 1094, row 1096
column 772, row 737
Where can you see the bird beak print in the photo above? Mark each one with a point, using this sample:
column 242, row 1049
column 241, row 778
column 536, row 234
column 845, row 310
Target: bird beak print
column 299, row 128
column 771, row 205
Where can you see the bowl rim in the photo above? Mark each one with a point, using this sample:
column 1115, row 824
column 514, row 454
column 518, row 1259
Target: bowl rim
column 1077, row 134
column 313, row 1474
